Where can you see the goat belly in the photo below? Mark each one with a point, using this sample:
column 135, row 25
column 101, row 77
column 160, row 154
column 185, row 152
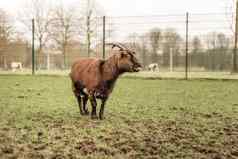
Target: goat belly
column 81, row 88
column 104, row 89
column 101, row 93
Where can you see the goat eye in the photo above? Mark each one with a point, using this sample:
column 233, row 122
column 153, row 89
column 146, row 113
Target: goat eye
column 123, row 55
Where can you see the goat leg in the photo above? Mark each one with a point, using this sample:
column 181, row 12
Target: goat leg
column 77, row 95
column 101, row 117
column 80, row 105
column 94, row 106
column 85, row 100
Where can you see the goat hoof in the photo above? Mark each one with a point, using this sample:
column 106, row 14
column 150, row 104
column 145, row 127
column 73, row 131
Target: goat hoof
column 81, row 113
column 94, row 117
column 101, row 117
column 86, row 112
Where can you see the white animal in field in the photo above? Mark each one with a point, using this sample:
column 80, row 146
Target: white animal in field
column 16, row 65
column 153, row 67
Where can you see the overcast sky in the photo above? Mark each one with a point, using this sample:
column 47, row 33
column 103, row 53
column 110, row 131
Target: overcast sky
column 152, row 7
column 118, row 8
column 141, row 7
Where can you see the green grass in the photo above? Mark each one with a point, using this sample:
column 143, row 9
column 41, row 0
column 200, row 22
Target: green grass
column 39, row 118
column 181, row 75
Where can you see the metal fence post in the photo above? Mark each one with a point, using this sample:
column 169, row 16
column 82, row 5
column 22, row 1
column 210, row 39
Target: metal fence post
column 88, row 35
column 33, row 47
column 103, row 40
column 186, row 50
column 235, row 41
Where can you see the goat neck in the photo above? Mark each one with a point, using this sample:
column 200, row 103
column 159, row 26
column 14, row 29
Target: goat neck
column 110, row 69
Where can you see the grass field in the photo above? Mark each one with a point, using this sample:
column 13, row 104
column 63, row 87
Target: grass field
column 39, row 118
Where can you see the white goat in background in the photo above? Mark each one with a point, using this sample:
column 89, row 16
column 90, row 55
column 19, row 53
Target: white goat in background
column 16, row 65
column 153, row 67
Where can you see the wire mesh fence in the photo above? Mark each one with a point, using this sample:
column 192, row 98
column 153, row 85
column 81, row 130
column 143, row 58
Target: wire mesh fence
column 207, row 40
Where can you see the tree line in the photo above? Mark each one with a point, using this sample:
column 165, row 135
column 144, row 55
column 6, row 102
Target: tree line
column 211, row 51
column 57, row 28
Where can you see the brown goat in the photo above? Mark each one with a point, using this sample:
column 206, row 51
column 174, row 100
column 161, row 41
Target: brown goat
column 95, row 78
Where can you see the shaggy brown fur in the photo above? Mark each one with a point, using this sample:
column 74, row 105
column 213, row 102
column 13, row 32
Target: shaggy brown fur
column 95, row 78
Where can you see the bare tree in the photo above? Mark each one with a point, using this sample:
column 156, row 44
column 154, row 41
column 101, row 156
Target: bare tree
column 222, row 49
column 196, row 57
column 232, row 16
column 171, row 41
column 143, row 50
column 6, row 30
column 211, row 40
column 63, row 28
column 196, row 45
column 40, row 11
column 230, row 13
column 91, row 15
column 155, row 36
column 217, row 48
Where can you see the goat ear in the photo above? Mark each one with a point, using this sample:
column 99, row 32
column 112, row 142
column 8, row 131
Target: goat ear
column 113, row 46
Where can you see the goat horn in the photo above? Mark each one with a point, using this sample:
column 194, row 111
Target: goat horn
column 125, row 47
column 116, row 45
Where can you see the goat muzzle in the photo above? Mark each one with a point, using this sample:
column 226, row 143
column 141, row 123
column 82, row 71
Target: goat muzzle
column 137, row 67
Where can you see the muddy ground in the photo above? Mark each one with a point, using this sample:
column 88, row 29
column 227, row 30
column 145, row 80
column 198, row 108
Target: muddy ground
column 39, row 119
